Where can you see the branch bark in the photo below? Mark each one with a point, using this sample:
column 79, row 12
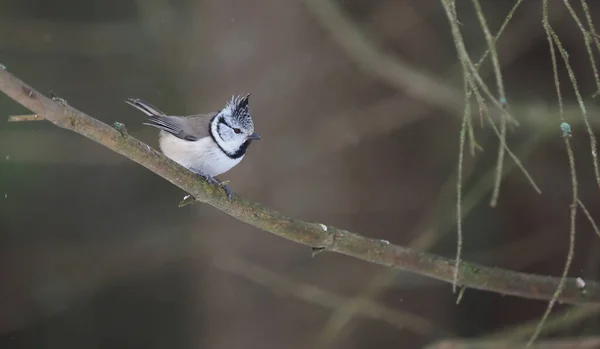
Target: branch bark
column 316, row 235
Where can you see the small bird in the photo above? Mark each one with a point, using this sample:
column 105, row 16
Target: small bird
column 206, row 144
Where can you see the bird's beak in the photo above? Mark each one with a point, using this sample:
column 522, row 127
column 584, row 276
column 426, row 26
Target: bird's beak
column 254, row 136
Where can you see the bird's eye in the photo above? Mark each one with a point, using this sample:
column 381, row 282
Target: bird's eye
column 237, row 130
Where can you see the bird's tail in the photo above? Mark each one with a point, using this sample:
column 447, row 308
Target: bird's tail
column 144, row 107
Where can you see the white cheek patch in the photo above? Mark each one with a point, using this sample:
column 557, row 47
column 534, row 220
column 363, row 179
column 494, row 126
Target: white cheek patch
column 228, row 141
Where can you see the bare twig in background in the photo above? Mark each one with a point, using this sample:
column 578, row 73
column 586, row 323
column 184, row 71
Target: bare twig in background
column 575, row 199
column 588, row 17
column 470, row 87
column 312, row 234
column 315, row 295
column 589, row 217
column 575, row 343
column 507, row 19
column 565, row 56
column 459, row 183
column 501, row 96
column 587, row 38
column 469, row 66
column 501, row 134
column 476, row 82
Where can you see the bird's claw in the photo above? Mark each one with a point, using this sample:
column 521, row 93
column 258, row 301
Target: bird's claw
column 59, row 100
column 227, row 190
column 209, row 179
column 213, row 180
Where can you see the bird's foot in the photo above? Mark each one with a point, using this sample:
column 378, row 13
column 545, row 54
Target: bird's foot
column 227, row 190
column 209, row 179
column 59, row 100
column 223, row 184
column 215, row 181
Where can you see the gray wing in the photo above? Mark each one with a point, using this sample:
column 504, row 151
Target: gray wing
column 189, row 128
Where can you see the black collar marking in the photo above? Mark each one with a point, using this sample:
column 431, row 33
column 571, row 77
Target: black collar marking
column 241, row 150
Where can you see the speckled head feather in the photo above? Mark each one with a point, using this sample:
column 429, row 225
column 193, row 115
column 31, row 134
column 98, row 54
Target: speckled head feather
column 238, row 108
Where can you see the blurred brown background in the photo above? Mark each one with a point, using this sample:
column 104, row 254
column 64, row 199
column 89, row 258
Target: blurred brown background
column 94, row 252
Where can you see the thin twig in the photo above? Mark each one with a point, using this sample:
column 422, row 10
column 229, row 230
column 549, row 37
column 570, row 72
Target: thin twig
column 461, row 151
column 492, row 48
column 589, row 217
column 463, row 55
column 500, row 162
column 501, row 97
column 565, row 56
column 507, row 19
column 472, row 74
column 515, row 158
column 512, row 155
column 27, row 117
column 587, row 39
column 590, row 23
column 573, row 208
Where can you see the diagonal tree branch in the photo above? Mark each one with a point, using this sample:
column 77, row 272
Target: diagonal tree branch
column 315, row 235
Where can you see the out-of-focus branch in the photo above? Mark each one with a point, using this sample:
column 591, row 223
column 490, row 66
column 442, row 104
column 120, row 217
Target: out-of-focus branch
column 558, row 322
column 315, row 295
column 393, row 71
column 573, row 343
column 316, row 235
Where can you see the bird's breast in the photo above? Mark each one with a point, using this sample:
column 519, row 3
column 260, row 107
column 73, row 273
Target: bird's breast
column 203, row 155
